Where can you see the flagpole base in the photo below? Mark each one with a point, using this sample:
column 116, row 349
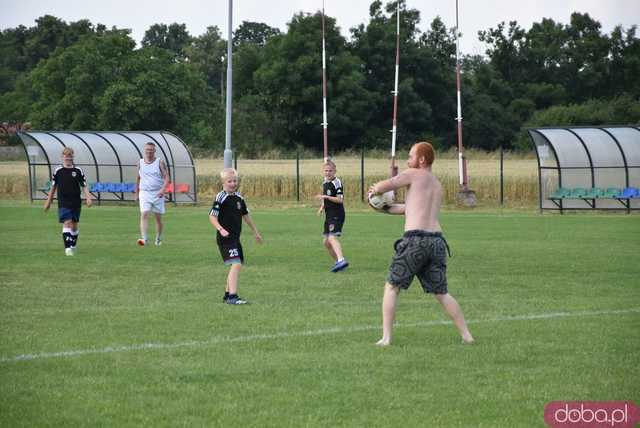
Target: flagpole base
column 466, row 198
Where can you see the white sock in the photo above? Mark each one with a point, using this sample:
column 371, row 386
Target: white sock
column 74, row 237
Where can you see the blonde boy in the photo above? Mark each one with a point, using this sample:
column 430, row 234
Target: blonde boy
column 332, row 199
column 227, row 213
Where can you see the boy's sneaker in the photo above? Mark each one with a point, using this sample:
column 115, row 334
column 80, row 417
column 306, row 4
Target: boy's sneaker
column 69, row 252
column 340, row 265
column 237, row 300
column 142, row 242
column 158, row 242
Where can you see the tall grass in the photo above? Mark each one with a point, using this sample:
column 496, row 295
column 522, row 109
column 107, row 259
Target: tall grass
column 12, row 186
column 275, row 179
column 517, row 190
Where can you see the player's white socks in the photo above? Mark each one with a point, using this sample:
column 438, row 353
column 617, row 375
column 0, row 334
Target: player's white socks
column 74, row 237
column 67, row 238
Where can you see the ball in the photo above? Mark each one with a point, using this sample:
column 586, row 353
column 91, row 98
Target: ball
column 380, row 201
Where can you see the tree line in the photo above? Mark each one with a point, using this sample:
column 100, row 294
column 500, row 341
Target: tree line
column 82, row 76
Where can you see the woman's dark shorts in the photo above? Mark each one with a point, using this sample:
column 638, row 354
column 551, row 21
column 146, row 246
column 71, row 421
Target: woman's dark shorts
column 422, row 254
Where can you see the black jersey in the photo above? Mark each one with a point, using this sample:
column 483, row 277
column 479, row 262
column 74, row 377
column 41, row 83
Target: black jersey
column 229, row 208
column 333, row 188
column 69, row 182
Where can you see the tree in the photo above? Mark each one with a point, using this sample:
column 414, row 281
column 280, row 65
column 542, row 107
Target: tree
column 586, row 64
column 207, row 53
column 67, row 86
column 426, row 101
column 154, row 92
column 256, row 33
column 506, row 50
column 289, row 82
column 174, row 38
column 624, row 65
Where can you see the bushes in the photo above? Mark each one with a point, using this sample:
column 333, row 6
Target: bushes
column 623, row 110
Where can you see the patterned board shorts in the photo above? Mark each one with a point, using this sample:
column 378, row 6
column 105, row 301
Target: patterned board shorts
column 422, row 254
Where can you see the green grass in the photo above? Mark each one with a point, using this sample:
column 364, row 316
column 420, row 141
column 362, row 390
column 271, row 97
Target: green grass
column 302, row 353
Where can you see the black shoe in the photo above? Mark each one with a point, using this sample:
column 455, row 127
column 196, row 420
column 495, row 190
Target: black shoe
column 237, row 300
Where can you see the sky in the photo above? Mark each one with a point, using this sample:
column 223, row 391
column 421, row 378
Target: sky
column 475, row 15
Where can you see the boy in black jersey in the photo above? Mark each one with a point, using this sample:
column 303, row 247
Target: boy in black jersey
column 68, row 181
column 226, row 215
column 333, row 205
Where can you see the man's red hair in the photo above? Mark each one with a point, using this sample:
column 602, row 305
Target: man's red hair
column 425, row 150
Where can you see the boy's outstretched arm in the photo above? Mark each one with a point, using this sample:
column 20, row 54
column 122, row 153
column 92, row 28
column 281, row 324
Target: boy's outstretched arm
column 247, row 219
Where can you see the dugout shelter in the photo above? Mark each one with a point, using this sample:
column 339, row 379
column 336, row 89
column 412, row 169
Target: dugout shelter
column 110, row 161
column 588, row 168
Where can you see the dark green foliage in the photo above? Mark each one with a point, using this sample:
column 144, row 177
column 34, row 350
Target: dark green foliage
column 83, row 76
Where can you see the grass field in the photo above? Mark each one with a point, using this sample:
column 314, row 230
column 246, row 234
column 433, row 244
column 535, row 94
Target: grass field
column 126, row 336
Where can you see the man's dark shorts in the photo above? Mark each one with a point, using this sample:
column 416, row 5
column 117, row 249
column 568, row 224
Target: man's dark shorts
column 422, row 254
column 231, row 250
column 333, row 226
column 65, row 214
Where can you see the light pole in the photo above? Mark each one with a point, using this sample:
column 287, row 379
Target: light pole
column 222, row 80
column 228, row 154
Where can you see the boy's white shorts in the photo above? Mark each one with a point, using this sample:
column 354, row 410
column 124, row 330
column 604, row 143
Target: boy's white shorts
column 149, row 201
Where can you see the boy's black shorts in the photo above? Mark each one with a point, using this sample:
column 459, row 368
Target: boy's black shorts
column 231, row 250
column 333, row 226
column 65, row 214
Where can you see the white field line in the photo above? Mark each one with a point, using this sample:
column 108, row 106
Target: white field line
column 285, row 335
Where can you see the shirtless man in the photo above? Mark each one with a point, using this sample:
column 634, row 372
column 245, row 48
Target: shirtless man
column 422, row 251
